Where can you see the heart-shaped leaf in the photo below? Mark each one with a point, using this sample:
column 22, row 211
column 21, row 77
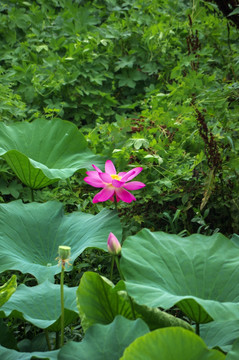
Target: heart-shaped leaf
column 9, row 354
column 198, row 273
column 41, row 305
column 99, row 301
column 31, row 233
column 105, row 342
column 170, row 344
column 44, row 151
column 8, row 289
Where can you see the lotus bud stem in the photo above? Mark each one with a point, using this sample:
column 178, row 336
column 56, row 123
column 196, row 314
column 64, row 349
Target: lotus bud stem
column 64, row 255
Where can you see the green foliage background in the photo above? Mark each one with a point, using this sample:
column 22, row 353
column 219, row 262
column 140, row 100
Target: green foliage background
column 149, row 82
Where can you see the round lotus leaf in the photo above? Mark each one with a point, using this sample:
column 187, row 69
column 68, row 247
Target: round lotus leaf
column 105, row 342
column 198, row 273
column 41, row 305
column 10, row 354
column 170, row 344
column 30, row 235
column 44, row 151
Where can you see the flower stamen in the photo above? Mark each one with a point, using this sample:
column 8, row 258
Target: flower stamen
column 116, row 177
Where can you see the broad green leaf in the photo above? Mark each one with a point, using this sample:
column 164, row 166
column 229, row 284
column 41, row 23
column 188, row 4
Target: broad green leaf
column 31, row 233
column 44, row 151
column 8, row 289
column 9, row 354
column 170, row 344
column 220, row 334
column 198, row 273
column 99, row 301
column 41, row 305
column 105, row 342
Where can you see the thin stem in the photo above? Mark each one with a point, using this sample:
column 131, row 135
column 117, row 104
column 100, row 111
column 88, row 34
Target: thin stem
column 57, row 340
column 47, row 340
column 198, row 329
column 32, row 195
column 62, row 305
column 116, row 205
column 132, row 307
column 112, row 267
column 118, row 267
column 122, row 278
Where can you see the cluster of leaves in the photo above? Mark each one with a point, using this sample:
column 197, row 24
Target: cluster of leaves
column 155, row 268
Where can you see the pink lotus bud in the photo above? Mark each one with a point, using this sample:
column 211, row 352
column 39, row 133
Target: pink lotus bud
column 113, row 245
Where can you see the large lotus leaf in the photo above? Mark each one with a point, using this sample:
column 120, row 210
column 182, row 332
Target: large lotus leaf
column 198, row 273
column 99, row 301
column 170, row 344
column 31, row 233
column 44, row 151
column 220, row 334
column 41, row 305
column 7, row 289
column 105, row 342
column 9, row 354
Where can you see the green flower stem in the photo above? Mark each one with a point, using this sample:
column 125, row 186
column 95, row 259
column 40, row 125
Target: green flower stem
column 62, row 305
column 47, row 340
column 122, row 278
column 112, row 267
column 118, row 267
column 198, row 329
column 57, row 340
column 116, row 205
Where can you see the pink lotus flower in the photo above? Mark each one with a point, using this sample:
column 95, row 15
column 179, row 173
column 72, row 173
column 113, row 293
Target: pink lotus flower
column 113, row 245
column 113, row 184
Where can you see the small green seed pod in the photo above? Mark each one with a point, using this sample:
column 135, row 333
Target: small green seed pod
column 64, row 252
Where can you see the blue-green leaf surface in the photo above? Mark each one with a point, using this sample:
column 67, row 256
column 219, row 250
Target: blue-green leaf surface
column 45, row 151
column 198, row 273
column 41, row 305
column 9, row 354
column 105, row 342
column 234, row 352
column 31, row 233
column 220, row 334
